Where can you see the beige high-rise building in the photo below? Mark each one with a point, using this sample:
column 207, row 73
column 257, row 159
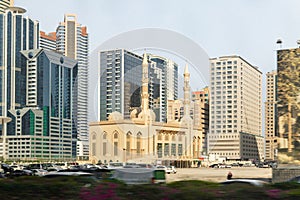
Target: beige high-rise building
column 4, row 4
column 235, row 109
column 198, row 111
column 72, row 40
column 270, row 116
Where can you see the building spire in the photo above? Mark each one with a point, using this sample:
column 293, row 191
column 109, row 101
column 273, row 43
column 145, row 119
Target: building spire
column 187, row 91
column 145, row 82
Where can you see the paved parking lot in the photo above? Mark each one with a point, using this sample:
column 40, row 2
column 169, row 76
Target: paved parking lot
column 220, row 174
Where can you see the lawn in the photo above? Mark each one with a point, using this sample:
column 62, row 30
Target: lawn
column 92, row 189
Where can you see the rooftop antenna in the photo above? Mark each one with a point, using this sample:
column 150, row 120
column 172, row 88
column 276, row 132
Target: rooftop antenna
column 279, row 43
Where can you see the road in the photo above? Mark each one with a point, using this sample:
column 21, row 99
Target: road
column 220, row 174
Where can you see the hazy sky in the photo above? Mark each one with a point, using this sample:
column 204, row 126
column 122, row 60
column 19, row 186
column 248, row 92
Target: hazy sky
column 248, row 28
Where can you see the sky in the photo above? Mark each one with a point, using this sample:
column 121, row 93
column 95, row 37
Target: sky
column 248, row 28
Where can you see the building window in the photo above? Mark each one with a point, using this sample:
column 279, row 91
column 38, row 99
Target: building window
column 159, row 137
column 159, row 150
column 115, row 148
column 104, row 148
column 93, row 149
column 167, row 149
column 166, row 137
column 116, row 136
column 179, row 149
column 138, row 143
column 173, row 149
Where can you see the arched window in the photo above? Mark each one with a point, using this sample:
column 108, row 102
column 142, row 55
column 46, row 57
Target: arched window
column 166, row 137
column 104, row 148
column 116, row 143
column 128, row 142
column 138, row 143
column 94, row 136
column 116, row 135
column 104, row 136
column 93, row 149
column 159, row 136
column 173, row 138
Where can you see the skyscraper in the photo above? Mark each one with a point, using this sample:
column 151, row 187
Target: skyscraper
column 72, row 41
column 270, row 116
column 235, row 109
column 42, row 129
column 4, row 4
column 17, row 33
column 169, row 81
column 48, row 41
column 120, row 84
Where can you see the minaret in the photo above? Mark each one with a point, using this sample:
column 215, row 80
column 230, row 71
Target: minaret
column 187, row 91
column 145, row 82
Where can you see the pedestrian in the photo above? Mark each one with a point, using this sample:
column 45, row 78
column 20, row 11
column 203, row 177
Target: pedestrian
column 229, row 175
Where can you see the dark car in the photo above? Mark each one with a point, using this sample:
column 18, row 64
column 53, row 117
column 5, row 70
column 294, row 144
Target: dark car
column 24, row 172
column 214, row 166
column 296, row 179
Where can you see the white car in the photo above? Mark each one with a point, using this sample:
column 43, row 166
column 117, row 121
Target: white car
column 161, row 167
column 39, row 172
column 253, row 182
column 171, row 170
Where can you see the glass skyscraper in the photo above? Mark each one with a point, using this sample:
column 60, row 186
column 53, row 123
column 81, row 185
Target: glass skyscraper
column 120, row 84
column 17, row 33
column 169, row 79
column 43, row 128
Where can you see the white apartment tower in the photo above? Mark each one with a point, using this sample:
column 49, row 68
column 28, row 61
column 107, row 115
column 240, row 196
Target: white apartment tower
column 270, row 116
column 48, row 41
column 235, row 109
column 72, row 41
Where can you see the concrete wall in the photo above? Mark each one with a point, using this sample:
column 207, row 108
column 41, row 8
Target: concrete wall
column 284, row 174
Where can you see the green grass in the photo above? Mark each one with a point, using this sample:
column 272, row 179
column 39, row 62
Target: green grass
column 91, row 189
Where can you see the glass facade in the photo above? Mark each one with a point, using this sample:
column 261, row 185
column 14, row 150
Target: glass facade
column 120, row 84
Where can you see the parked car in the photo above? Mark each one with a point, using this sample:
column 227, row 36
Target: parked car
column 23, row 172
column 247, row 165
column 67, row 173
column 235, row 165
column 161, row 167
column 171, row 170
column 295, row 179
column 263, row 165
column 114, row 165
column 214, row 165
column 39, row 172
column 253, row 182
column 273, row 164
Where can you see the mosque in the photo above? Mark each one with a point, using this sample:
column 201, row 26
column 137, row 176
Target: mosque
column 142, row 140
